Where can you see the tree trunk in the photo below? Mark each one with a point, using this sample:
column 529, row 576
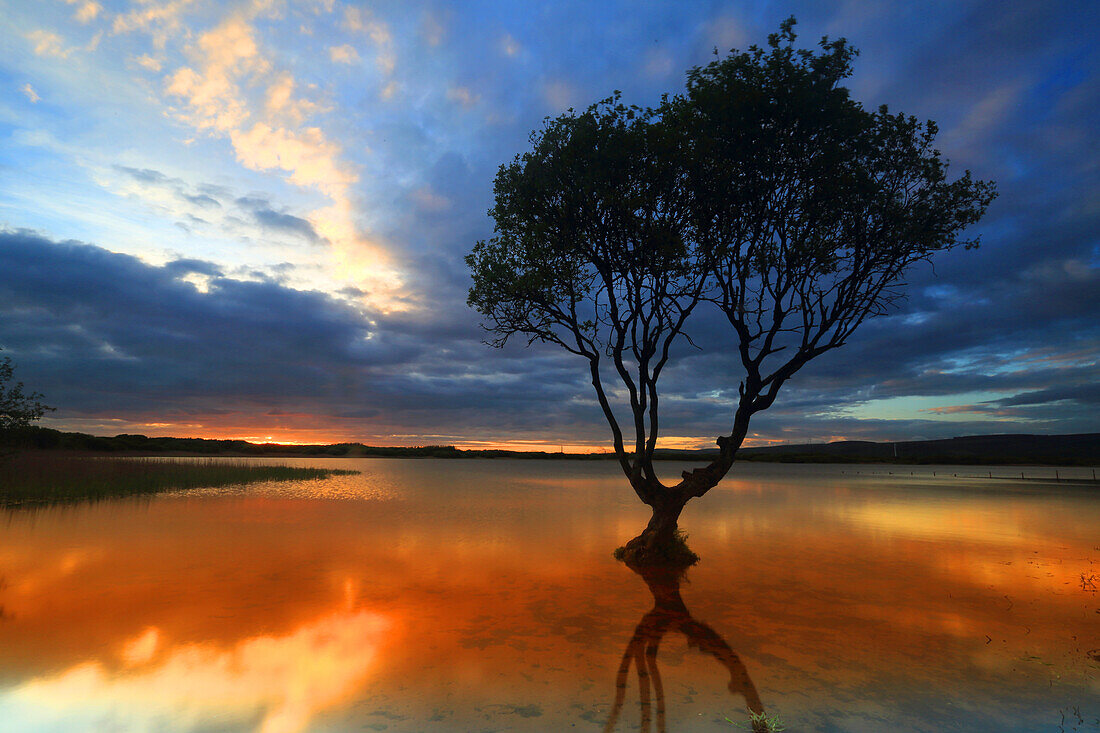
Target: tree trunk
column 663, row 524
column 659, row 540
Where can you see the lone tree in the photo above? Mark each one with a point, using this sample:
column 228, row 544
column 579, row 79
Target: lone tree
column 17, row 410
column 763, row 190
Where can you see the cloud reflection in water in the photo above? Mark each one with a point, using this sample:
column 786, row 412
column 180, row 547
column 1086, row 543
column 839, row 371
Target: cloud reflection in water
column 284, row 680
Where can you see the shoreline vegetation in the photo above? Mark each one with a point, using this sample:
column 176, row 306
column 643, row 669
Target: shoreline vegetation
column 47, row 477
column 1014, row 449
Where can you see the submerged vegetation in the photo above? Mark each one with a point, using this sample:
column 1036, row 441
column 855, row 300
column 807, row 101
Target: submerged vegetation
column 673, row 551
column 38, row 477
column 761, row 722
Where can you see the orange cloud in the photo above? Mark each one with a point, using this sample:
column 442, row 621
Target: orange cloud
column 88, row 10
column 308, row 158
column 228, row 61
column 161, row 19
column 345, row 54
column 47, row 43
column 212, row 93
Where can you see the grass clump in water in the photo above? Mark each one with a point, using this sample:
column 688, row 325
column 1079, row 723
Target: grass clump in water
column 762, row 723
column 674, row 551
column 42, row 478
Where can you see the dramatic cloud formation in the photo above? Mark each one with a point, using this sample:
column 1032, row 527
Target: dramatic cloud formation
column 249, row 219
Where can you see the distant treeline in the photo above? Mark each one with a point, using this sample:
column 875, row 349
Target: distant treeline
column 1064, row 450
column 38, row 438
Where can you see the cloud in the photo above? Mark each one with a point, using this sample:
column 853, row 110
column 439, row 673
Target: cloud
column 309, row 158
column 88, row 11
column 161, row 18
column 145, row 175
column 229, row 60
column 345, row 54
column 204, row 200
column 281, row 103
column 1082, row 397
column 401, row 189
column 429, row 201
column 212, row 94
column 131, row 319
column 433, row 29
column 659, row 64
column 105, row 335
column 183, row 267
column 213, row 209
column 360, row 20
column 32, row 95
column 1084, row 393
column 165, row 194
column 48, row 43
column 560, row 95
column 726, row 33
column 149, row 63
column 987, row 113
column 288, row 223
column 463, row 97
column 509, row 46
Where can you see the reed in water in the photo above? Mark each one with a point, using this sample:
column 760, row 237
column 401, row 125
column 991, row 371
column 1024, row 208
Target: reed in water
column 41, row 477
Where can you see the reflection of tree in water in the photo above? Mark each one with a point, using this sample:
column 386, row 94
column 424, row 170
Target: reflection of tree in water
column 670, row 614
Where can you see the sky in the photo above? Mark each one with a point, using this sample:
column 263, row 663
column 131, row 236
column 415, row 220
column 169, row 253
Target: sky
column 248, row 219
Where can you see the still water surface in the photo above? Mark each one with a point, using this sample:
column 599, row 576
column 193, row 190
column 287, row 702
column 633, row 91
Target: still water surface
column 429, row 595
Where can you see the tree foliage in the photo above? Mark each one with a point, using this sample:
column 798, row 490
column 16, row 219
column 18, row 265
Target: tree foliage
column 763, row 190
column 17, row 409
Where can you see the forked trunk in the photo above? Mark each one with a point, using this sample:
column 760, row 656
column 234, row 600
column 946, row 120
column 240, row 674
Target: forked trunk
column 661, row 541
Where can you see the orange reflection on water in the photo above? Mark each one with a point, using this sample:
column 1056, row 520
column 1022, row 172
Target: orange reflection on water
column 286, row 679
column 483, row 594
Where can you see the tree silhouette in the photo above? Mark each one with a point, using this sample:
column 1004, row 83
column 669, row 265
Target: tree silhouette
column 17, row 409
column 763, row 190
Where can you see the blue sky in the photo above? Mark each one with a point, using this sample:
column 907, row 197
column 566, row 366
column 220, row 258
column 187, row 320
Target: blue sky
column 248, row 219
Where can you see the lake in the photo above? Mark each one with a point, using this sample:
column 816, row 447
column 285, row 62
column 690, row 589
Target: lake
column 474, row 595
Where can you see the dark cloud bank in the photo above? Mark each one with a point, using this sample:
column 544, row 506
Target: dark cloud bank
column 105, row 334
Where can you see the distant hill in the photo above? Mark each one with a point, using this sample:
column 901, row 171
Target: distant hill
column 1081, row 449
column 1065, row 450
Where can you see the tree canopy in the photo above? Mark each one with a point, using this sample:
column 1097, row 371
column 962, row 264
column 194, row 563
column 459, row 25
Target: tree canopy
column 17, row 409
column 763, row 190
